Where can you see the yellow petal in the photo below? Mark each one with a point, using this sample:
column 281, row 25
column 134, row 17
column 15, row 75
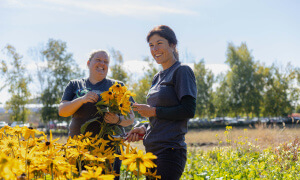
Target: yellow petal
column 132, row 166
column 142, row 168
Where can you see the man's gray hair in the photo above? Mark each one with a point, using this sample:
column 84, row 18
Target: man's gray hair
column 92, row 54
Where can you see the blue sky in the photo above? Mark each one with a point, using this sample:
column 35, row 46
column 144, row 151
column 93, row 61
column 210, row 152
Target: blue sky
column 203, row 28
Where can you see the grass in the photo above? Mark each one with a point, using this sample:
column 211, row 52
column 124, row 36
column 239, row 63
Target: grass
column 264, row 136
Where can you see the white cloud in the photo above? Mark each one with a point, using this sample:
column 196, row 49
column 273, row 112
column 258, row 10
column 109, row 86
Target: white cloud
column 32, row 67
column 215, row 68
column 123, row 7
column 112, row 8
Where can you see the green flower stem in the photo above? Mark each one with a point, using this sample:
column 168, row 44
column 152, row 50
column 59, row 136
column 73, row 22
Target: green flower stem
column 138, row 166
column 103, row 128
column 79, row 164
column 52, row 174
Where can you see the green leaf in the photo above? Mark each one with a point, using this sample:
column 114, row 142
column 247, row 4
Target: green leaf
column 118, row 130
column 85, row 125
column 101, row 103
column 102, row 109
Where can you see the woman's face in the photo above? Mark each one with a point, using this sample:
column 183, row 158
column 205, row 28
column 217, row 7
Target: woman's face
column 98, row 65
column 160, row 49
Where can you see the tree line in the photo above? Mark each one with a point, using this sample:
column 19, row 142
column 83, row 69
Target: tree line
column 249, row 88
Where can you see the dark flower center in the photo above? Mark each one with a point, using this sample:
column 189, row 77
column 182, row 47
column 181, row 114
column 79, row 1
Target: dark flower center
column 47, row 143
column 121, row 105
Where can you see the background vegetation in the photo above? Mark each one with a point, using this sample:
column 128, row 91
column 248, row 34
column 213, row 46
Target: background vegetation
column 249, row 88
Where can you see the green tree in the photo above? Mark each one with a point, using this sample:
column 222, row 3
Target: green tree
column 259, row 80
column 142, row 87
column 276, row 97
column 17, row 81
column 221, row 97
column 204, row 81
column 243, row 81
column 117, row 69
column 298, row 75
column 60, row 69
column 297, row 89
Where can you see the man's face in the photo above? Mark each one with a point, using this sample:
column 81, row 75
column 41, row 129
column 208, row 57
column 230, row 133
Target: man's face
column 98, row 65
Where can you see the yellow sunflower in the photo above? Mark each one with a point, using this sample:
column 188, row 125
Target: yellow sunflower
column 30, row 132
column 125, row 107
column 117, row 88
column 95, row 174
column 139, row 161
column 107, row 96
column 153, row 175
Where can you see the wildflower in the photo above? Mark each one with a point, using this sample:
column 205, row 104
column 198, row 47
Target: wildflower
column 116, row 142
column 7, row 166
column 125, row 107
column 117, row 88
column 129, row 150
column 48, row 144
column 107, row 96
column 30, row 132
column 95, row 174
column 6, row 129
column 152, row 175
column 139, row 161
column 228, row 127
column 9, row 144
column 17, row 130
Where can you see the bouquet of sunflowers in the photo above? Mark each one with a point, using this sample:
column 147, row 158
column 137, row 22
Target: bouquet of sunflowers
column 115, row 100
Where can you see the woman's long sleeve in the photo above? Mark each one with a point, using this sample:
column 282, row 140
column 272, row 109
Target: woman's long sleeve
column 185, row 110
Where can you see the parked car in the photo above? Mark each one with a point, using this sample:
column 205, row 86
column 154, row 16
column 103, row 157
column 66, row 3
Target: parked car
column 241, row 121
column 254, row 120
column 52, row 125
column 62, row 125
column 193, row 123
column 275, row 120
column 228, row 121
column 264, row 120
column 19, row 123
column 2, row 124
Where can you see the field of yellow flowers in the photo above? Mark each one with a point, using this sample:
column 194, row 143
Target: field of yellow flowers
column 25, row 156
column 29, row 154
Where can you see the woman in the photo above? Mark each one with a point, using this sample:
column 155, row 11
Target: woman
column 171, row 102
column 81, row 95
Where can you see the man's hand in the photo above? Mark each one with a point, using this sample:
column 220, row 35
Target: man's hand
column 111, row 118
column 90, row 97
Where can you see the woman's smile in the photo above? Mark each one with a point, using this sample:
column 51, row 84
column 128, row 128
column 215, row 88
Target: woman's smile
column 162, row 51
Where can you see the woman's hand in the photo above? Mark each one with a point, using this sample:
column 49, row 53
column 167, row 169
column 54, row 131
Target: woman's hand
column 90, row 97
column 133, row 135
column 111, row 118
column 144, row 110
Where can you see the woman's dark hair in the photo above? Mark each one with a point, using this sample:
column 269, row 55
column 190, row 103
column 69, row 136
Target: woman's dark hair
column 167, row 33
